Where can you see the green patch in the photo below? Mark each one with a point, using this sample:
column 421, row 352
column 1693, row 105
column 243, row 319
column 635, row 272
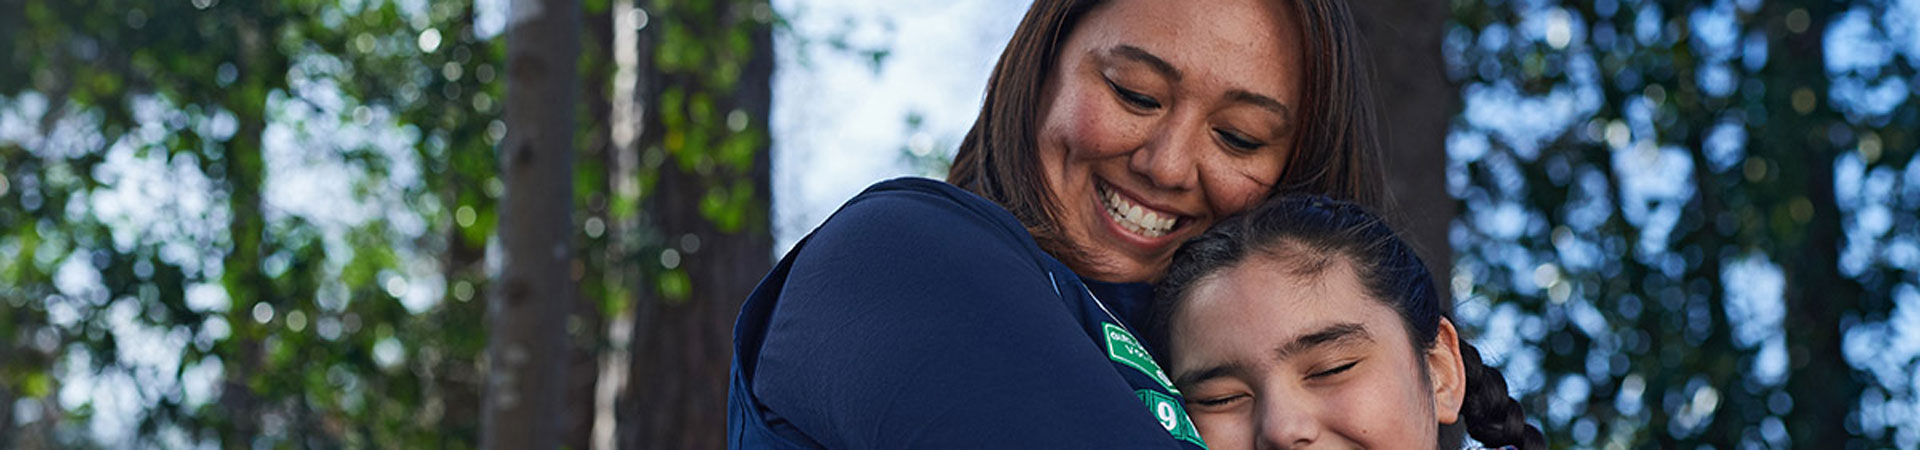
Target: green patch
column 1171, row 416
column 1124, row 348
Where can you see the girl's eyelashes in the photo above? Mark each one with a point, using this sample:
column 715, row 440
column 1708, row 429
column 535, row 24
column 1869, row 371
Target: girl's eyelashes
column 1216, row 401
column 1136, row 99
column 1334, row 371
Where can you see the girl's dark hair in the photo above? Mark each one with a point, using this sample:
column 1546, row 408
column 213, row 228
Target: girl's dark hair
column 1336, row 154
column 1308, row 233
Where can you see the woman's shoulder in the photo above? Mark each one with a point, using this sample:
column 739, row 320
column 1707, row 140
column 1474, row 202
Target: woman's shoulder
column 922, row 215
column 920, row 238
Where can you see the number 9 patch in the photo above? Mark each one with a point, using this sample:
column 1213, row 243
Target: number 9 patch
column 1171, row 416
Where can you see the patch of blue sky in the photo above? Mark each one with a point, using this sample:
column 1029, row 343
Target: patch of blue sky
column 309, row 177
column 1464, row 146
column 1715, row 30
column 1654, row 186
column 150, row 198
column 1899, row 23
column 1508, row 341
column 1726, row 144
column 1649, row 25
column 1755, row 296
column 1854, row 44
column 1753, row 51
column 1552, row 26
column 1568, row 399
column 840, row 125
column 1582, row 314
column 1592, row 203
column 1526, row 122
column 147, row 360
column 1886, row 350
column 19, row 119
column 1910, row 185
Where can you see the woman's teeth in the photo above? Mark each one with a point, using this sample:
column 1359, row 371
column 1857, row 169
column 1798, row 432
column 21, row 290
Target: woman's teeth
column 1133, row 217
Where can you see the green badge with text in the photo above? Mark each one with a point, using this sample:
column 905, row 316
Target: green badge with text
column 1125, row 349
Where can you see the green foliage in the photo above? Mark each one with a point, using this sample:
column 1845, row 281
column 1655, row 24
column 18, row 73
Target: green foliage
column 1650, row 200
column 701, row 52
column 300, row 315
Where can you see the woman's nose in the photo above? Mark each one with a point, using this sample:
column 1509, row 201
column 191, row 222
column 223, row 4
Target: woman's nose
column 1169, row 159
column 1287, row 425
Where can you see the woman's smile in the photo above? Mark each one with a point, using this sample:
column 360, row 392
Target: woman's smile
column 1146, row 223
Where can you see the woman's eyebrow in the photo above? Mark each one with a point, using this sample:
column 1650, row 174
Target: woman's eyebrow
column 1140, row 55
column 1339, row 333
column 1263, row 102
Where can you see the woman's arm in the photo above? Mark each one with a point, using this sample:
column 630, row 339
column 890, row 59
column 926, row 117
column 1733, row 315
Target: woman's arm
column 911, row 321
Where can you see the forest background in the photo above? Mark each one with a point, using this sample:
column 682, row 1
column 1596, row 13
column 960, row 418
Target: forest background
column 494, row 223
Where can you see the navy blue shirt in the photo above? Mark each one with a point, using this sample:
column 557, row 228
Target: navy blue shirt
column 923, row 316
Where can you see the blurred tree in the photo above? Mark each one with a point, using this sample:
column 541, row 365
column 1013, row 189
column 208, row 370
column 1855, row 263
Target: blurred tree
column 1657, row 218
column 1415, row 102
column 700, row 91
column 167, row 278
column 527, row 342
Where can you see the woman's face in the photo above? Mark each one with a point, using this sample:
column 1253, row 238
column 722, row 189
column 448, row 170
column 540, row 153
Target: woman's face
column 1270, row 358
column 1161, row 118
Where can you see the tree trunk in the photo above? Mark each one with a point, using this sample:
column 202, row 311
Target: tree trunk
column 1824, row 387
column 1416, row 104
column 245, row 282
column 676, row 394
column 527, row 348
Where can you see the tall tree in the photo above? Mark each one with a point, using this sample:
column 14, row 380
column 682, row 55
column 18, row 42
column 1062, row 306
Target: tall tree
column 528, row 347
column 703, row 91
column 1416, row 102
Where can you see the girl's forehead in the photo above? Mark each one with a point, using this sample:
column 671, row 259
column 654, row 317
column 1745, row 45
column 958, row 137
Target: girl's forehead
column 1272, row 291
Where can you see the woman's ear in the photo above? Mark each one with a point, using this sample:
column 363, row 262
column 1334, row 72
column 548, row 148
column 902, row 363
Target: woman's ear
column 1448, row 375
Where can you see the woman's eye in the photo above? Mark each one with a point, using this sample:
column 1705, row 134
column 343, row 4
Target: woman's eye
column 1333, row 371
column 1134, row 98
column 1238, row 141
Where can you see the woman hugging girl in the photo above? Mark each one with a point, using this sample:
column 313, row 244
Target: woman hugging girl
column 1308, row 323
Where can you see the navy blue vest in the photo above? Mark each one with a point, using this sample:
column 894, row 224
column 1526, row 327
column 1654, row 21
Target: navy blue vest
column 922, row 315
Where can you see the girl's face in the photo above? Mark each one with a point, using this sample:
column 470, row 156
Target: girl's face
column 1161, row 118
column 1270, row 358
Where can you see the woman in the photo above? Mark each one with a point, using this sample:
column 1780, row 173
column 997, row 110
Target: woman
column 1308, row 323
column 927, row 314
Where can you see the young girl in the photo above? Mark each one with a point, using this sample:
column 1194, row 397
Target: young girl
column 1308, row 323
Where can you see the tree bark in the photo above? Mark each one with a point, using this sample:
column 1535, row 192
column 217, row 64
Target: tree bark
column 676, row 393
column 1823, row 385
column 1416, row 104
column 527, row 348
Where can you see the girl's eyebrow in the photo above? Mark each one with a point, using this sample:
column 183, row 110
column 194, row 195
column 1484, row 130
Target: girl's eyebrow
column 1335, row 334
column 1209, row 373
column 1330, row 335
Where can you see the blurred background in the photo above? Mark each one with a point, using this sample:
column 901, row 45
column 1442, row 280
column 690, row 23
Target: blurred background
column 282, row 224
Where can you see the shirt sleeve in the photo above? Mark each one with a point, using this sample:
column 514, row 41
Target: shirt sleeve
column 910, row 322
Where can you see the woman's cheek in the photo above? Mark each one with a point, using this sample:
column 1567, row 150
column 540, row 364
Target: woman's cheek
column 1098, row 127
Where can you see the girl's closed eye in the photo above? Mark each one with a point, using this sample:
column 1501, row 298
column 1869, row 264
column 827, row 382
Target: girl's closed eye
column 1336, row 370
column 1217, row 401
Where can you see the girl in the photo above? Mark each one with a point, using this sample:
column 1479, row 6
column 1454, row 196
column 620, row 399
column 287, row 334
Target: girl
column 998, row 310
column 1308, row 323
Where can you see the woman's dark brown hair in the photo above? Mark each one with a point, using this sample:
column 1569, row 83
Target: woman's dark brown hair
column 1336, row 154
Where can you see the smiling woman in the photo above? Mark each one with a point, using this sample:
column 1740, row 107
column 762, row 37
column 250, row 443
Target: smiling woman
column 927, row 314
